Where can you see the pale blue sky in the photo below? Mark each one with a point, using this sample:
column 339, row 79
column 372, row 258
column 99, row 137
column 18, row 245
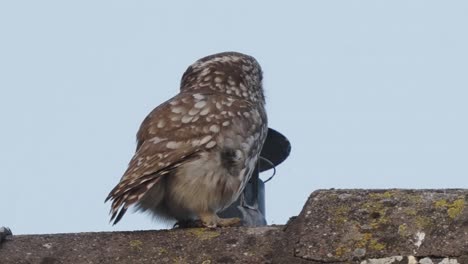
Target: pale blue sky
column 371, row 94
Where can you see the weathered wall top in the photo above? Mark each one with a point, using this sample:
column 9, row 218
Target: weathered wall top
column 406, row 225
column 335, row 226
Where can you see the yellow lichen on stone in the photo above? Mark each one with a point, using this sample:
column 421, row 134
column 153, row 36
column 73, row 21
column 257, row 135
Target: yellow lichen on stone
column 136, row 244
column 341, row 250
column 179, row 260
column 367, row 241
column 423, row 222
column 403, row 230
column 377, row 208
column 382, row 220
column 417, row 199
column 340, row 214
column 410, row 211
column 441, row 203
column 375, row 245
column 455, row 208
column 162, row 251
column 362, row 243
column 385, row 195
column 203, row 233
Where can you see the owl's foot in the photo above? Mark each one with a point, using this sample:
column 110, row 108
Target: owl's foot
column 225, row 222
column 209, row 221
column 213, row 220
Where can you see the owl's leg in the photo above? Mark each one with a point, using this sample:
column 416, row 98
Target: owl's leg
column 212, row 220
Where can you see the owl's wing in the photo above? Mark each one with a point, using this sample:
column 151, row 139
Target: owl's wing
column 172, row 134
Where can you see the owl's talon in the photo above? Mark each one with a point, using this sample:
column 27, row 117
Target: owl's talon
column 227, row 222
column 213, row 221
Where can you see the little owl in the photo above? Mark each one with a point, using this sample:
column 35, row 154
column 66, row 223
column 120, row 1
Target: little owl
column 196, row 152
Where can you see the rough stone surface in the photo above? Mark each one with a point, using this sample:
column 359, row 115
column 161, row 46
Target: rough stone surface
column 197, row 245
column 358, row 225
column 335, row 226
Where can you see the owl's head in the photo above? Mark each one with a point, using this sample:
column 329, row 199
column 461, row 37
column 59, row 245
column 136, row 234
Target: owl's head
column 231, row 73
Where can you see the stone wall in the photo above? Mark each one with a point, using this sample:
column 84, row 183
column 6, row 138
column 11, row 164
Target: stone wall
column 335, row 226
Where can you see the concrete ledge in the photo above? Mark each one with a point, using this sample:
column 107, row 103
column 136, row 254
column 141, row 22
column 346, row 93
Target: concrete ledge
column 395, row 226
column 198, row 245
column 335, row 226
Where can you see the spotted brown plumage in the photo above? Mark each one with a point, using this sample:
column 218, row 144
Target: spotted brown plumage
column 196, row 151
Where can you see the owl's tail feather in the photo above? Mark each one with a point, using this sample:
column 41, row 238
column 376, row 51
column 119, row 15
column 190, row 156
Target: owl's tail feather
column 123, row 198
column 119, row 216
